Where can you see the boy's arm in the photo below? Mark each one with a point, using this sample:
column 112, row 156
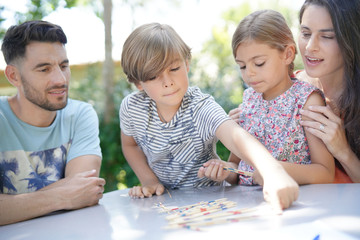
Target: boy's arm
column 79, row 189
column 137, row 161
column 322, row 167
column 279, row 188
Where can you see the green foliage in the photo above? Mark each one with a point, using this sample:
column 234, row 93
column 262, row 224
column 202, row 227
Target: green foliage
column 222, row 151
column 234, row 15
column 6, row 89
column 38, row 9
column 114, row 169
column 86, row 85
column 2, row 31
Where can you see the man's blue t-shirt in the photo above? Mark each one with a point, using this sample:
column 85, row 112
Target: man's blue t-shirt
column 34, row 157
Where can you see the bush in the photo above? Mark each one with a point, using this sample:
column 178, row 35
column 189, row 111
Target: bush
column 86, row 85
column 114, row 169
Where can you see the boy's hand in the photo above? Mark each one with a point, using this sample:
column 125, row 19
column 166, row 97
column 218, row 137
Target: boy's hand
column 146, row 191
column 213, row 169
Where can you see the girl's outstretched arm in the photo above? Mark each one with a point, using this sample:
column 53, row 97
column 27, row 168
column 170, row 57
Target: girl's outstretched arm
column 279, row 188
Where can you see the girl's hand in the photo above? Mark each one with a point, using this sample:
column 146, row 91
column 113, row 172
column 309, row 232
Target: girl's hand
column 257, row 178
column 213, row 169
column 322, row 122
column 280, row 190
column 146, row 191
column 234, row 114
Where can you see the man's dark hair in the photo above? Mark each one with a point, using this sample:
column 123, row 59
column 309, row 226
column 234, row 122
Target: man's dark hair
column 18, row 37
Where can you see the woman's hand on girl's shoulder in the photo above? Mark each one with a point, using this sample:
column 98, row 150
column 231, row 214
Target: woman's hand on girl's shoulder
column 234, row 114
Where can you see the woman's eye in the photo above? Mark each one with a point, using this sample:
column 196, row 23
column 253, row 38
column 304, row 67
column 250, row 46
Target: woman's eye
column 260, row 64
column 306, row 35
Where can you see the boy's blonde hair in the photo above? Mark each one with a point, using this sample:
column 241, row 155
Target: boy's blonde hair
column 265, row 26
column 150, row 49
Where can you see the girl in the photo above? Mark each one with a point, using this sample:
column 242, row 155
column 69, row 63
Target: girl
column 264, row 49
column 330, row 49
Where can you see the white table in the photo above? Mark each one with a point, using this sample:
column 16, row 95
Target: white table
column 330, row 211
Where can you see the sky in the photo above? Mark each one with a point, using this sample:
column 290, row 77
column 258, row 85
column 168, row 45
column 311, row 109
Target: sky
column 192, row 19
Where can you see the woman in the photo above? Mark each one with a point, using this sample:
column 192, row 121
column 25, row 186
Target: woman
column 330, row 47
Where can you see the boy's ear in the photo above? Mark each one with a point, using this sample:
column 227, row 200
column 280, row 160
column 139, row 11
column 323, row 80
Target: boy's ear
column 289, row 54
column 13, row 76
column 187, row 65
column 138, row 86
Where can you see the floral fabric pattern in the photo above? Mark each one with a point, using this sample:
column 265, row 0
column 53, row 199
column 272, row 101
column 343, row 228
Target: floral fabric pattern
column 276, row 124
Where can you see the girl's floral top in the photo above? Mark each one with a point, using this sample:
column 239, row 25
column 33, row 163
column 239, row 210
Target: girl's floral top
column 276, row 124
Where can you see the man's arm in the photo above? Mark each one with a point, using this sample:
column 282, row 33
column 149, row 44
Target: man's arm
column 83, row 164
column 80, row 188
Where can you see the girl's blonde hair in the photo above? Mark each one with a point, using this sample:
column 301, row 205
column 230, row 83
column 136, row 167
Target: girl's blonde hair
column 265, row 26
column 150, row 49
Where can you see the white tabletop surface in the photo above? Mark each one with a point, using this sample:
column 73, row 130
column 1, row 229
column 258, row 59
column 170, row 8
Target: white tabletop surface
column 326, row 211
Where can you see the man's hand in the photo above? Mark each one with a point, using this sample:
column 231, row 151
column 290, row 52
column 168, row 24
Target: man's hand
column 80, row 190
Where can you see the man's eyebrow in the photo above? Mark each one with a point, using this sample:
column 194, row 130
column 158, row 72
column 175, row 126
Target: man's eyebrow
column 66, row 61
column 39, row 65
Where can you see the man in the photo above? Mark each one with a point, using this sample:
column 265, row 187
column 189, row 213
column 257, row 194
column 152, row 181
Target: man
column 50, row 156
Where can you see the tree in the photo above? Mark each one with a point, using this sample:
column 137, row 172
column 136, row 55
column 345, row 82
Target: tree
column 38, row 9
column 2, row 31
column 108, row 68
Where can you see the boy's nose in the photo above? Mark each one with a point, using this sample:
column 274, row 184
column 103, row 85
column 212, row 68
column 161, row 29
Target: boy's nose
column 167, row 81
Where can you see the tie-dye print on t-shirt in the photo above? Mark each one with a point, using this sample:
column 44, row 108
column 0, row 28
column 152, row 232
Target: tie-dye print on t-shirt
column 39, row 170
column 33, row 157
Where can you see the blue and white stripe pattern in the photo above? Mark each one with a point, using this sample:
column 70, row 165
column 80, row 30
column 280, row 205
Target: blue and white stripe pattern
column 175, row 150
